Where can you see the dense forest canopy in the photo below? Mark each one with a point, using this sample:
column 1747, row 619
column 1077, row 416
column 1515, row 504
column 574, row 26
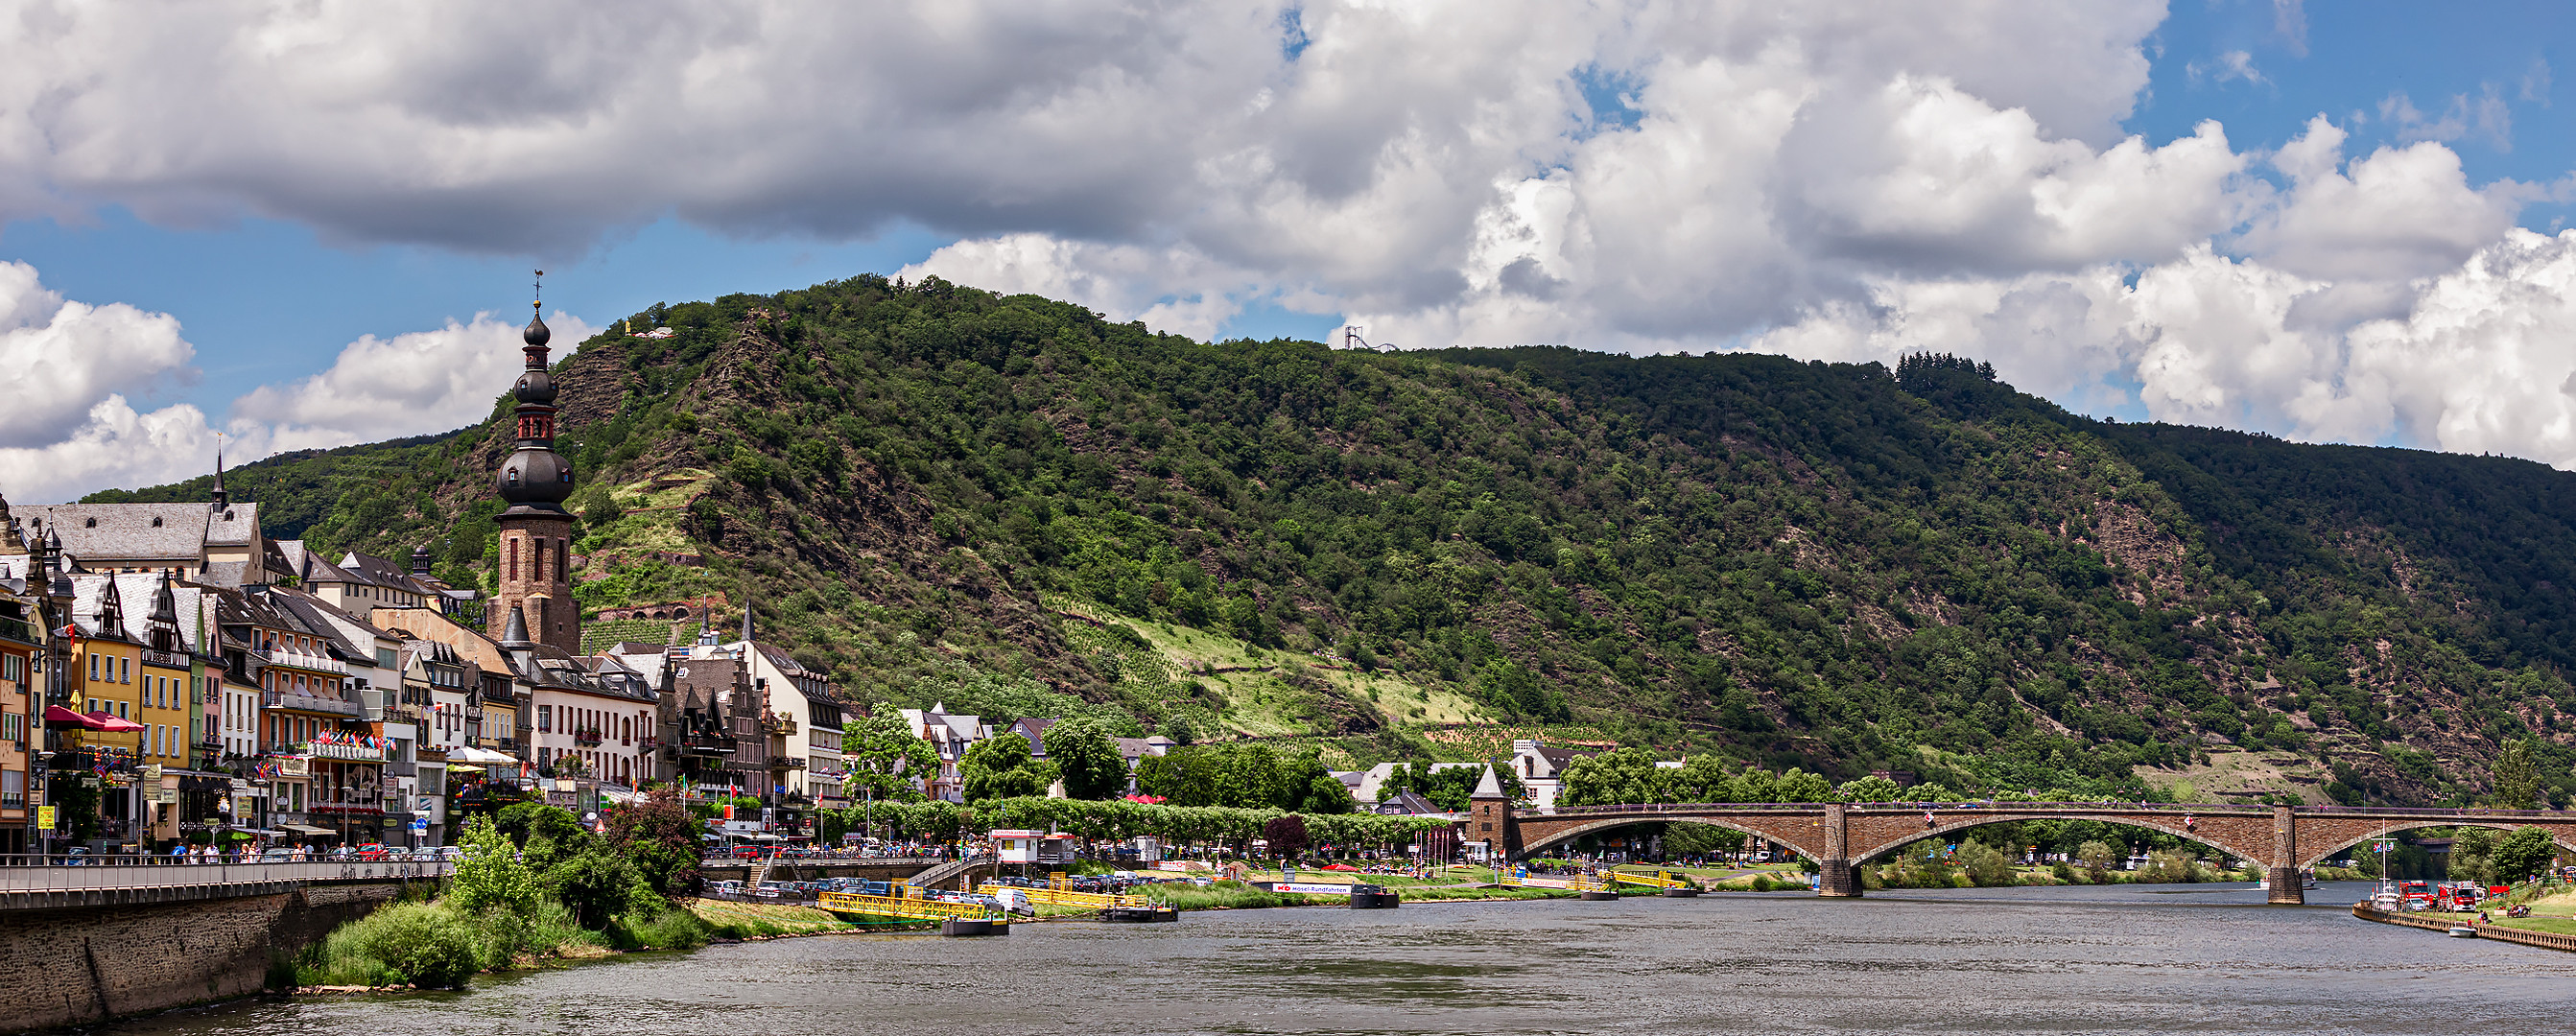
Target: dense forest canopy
column 943, row 494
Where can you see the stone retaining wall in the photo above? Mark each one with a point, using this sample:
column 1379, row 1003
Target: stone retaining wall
column 80, row 965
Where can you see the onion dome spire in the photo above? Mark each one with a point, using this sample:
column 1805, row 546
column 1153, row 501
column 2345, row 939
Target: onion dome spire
column 534, row 477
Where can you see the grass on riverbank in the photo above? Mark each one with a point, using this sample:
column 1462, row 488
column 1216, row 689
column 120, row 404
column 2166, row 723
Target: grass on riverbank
column 434, row 945
column 726, row 919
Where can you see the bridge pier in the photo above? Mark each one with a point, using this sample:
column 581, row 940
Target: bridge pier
column 2285, row 886
column 2284, row 869
column 1838, row 878
column 1835, row 874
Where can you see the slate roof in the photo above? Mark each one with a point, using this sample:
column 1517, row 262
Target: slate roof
column 113, row 533
column 90, row 596
column 381, row 572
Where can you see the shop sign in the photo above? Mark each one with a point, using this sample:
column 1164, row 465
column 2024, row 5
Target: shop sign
column 166, row 796
column 294, row 766
column 151, row 771
column 44, row 818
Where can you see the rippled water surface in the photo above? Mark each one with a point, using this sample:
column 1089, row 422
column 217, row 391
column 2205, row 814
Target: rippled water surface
column 2200, row 959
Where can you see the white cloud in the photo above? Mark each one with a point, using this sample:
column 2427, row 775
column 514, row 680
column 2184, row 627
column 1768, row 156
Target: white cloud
column 64, row 357
column 405, row 385
column 68, row 426
column 1843, row 179
column 2482, row 118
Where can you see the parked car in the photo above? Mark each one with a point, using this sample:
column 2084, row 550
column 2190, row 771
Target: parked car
column 728, row 888
column 76, row 856
column 277, row 854
column 372, row 851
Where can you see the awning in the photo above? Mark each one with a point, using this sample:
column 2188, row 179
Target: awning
column 480, row 755
column 59, row 717
column 260, row 831
column 112, row 724
column 303, row 830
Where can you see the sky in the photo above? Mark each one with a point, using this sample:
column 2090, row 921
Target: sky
column 282, row 226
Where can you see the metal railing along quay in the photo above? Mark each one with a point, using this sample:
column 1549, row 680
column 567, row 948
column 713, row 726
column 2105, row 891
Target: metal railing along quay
column 24, row 883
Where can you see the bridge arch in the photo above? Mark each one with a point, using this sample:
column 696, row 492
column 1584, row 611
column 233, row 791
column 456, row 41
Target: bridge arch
column 2563, row 836
column 1570, row 833
column 1944, row 825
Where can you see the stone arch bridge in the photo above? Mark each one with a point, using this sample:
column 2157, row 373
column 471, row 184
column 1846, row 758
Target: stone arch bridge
column 1841, row 837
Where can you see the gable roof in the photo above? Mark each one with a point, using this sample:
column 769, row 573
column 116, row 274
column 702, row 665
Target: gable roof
column 113, row 533
column 381, row 572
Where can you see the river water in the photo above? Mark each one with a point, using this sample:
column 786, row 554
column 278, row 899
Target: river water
column 2117, row 959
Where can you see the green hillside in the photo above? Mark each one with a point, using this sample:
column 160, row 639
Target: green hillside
column 941, row 493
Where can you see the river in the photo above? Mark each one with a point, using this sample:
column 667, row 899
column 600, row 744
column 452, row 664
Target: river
column 2116, row 959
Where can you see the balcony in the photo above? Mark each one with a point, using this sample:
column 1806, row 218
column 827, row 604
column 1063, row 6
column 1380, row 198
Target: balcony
column 165, row 659
column 360, row 752
column 283, row 658
column 588, row 738
column 777, row 724
column 786, row 762
column 308, row 703
column 21, row 631
column 705, row 747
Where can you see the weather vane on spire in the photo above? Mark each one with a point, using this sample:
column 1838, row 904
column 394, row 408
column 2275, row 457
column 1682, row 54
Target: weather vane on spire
column 540, row 304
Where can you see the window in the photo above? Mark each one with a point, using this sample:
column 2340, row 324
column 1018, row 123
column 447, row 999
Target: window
column 93, row 667
column 13, row 727
column 126, row 666
column 13, row 667
column 546, row 718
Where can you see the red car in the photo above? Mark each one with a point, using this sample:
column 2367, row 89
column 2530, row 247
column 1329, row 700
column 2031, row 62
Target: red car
column 373, row 851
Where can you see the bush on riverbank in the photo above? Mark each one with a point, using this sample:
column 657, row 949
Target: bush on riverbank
column 534, row 887
column 427, row 945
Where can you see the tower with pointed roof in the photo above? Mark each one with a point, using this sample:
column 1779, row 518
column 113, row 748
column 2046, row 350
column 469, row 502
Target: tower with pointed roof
column 535, row 584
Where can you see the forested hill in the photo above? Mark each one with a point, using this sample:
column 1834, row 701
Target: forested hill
column 941, row 493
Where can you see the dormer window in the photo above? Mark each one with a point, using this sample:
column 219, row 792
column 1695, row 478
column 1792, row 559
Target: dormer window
column 228, row 514
column 156, row 521
column 89, row 523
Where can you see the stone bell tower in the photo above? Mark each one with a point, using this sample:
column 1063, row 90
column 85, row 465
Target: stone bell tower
column 536, row 532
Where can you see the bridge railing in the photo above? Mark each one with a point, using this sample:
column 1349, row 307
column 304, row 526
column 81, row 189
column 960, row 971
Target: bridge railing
column 2466, row 813
column 95, row 877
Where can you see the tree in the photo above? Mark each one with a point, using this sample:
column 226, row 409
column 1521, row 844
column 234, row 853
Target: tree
column 596, row 884
column 1985, row 865
column 1001, row 767
column 1286, row 835
column 661, row 838
column 2517, row 780
column 1619, row 776
column 1800, row 786
column 1688, row 839
column 1087, row 758
column 2098, row 858
column 1247, row 775
column 1702, row 778
column 2525, row 852
column 489, row 875
column 885, row 760
column 1870, row 789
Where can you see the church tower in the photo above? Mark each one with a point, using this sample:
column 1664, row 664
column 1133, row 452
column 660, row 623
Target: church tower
column 536, row 532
